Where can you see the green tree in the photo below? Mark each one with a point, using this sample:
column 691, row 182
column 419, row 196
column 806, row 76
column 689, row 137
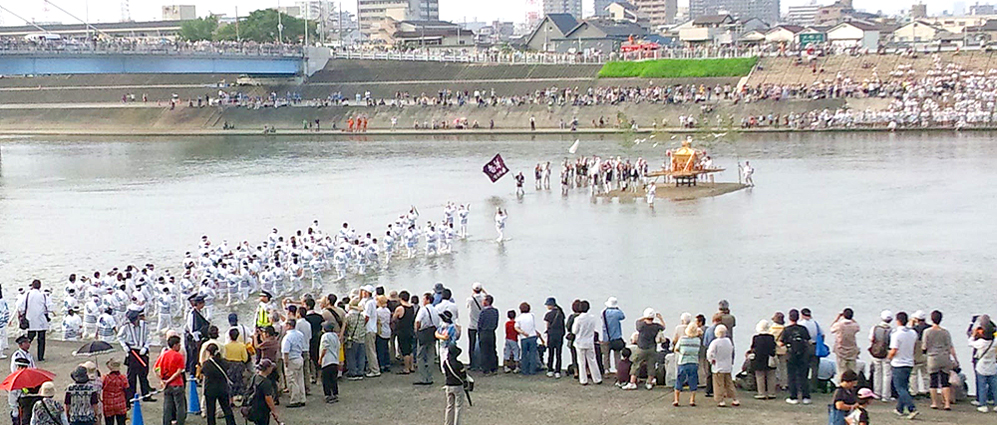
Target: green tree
column 199, row 29
column 261, row 26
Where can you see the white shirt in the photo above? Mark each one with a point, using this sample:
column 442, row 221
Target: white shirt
column 38, row 305
column 370, row 312
column 986, row 363
column 903, row 340
column 527, row 323
column 384, row 322
column 584, row 329
column 427, row 316
column 449, row 305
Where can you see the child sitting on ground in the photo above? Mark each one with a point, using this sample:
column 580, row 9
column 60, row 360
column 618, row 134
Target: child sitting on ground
column 511, row 357
column 623, row 368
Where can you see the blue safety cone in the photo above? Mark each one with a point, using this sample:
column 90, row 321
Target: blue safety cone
column 193, row 403
column 137, row 412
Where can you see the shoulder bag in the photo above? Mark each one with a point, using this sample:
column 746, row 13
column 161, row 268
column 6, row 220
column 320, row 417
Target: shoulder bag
column 468, row 384
column 247, row 405
column 22, row 317
column 821, row 349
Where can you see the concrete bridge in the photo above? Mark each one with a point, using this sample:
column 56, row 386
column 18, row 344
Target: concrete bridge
column 77, row 63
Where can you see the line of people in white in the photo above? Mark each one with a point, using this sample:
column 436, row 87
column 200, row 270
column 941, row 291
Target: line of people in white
column 96, row 307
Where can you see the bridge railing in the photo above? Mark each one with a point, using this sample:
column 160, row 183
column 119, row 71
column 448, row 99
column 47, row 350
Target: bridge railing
column 71, row 47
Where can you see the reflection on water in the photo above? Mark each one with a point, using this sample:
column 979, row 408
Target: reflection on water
column 871, row 221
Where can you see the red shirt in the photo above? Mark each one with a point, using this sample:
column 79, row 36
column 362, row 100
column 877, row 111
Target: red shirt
column 114, row 394
column 168, row 364
column 510, row 331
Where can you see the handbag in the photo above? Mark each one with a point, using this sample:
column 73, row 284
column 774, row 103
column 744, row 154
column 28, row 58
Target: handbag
column 821, row 350
column 773, row 362
column 22, row 317
column 835, row 416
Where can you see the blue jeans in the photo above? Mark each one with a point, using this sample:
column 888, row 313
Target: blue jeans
column 901, row 383
column 356, row 359
column 530, row 357
column 986, row 389
column 383, row 358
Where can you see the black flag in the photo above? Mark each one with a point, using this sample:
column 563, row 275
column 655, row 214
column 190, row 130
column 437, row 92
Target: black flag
column 495, row 168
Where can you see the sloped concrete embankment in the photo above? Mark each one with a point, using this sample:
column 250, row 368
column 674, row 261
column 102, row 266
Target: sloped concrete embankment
column 162, row 120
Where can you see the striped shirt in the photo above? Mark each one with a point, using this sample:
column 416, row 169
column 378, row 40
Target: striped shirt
column 688, row 349
column 134, row 337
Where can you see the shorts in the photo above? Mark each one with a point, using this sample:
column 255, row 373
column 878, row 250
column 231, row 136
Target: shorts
column 688, row 375
column 940, row 379
column 405, row 340
column 512, row 350
column 643, row 357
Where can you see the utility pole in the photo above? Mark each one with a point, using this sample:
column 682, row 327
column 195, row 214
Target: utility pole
column 237, row 37
column 280, row 26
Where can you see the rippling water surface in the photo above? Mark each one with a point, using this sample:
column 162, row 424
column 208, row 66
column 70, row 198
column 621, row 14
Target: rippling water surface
column 871, row 221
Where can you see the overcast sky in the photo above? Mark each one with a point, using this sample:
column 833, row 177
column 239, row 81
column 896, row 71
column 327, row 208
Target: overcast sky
column 454, row 10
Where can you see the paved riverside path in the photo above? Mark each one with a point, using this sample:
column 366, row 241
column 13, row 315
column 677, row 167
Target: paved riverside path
column 518, row 400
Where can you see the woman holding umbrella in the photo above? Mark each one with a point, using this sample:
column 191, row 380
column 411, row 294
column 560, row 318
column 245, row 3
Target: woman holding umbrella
column 23, row 387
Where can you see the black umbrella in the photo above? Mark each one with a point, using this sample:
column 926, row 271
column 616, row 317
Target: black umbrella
column 94, row 348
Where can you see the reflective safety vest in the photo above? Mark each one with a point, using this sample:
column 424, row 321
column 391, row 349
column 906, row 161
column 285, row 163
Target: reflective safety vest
column 263, row 316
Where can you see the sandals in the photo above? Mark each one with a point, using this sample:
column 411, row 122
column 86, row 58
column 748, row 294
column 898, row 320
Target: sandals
column 735, row 403
column 692, row 404
column 675, row 404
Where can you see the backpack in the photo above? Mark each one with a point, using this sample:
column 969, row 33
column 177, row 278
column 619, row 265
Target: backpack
column 798, row 345
column 880, row 342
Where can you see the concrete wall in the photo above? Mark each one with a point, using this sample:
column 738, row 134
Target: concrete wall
column 24, row 64
column 212, row 118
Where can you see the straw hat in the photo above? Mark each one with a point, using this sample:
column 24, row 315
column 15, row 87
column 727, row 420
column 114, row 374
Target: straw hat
column 47, row 390
column 114, row 364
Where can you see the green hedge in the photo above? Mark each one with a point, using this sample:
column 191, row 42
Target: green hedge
column 679, row 68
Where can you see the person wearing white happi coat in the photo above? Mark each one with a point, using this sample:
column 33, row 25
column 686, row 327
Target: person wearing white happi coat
column 279, row 282
column 462, row 213
column 360, row 255
column 447, row 238
column 272, row 239
column 91, row 311
column 431, row 238
column 165, row 309
column 208, row 293
column 316, row 268
column 500, row 218
column 4, row 320
column 389, row 245
column 106, row 326
column 411, row 239
column 372, row 253
column 72, row 326
column 297, row 272
column 448, row 212
column 339, row 260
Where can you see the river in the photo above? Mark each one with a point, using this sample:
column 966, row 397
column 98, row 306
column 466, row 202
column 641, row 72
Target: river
column 867, row 220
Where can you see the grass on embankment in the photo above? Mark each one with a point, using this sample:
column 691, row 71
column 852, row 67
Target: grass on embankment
column 679, row 68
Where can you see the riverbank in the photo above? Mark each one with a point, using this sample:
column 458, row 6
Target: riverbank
column 150, row 119
column 341, row 134
column 514, row 399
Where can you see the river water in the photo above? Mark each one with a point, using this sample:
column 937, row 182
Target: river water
column 870, row 221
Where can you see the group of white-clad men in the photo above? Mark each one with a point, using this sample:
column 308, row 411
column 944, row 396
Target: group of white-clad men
column 97, row 307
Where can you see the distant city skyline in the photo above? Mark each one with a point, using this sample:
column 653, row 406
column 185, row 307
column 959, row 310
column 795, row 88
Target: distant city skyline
column 451, row 10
